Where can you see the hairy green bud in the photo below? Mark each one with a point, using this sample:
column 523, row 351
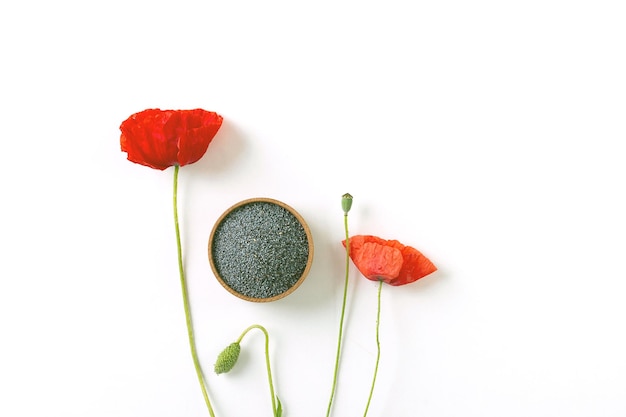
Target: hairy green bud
column 227, row 359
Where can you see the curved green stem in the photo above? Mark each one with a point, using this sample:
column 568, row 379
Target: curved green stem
column 183, row 284
column 267, row 362
column 343, row 313
column 380, row 287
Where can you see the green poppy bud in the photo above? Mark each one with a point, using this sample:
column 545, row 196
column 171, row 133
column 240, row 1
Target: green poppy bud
column 228, row 358
column 346, row 203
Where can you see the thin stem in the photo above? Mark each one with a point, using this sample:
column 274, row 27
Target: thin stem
column 267, row 359
column 183, row 284
column 380, row 287
column 343, row 313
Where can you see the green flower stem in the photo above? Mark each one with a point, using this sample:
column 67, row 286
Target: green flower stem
column 183, row 284
column 380, row 287
column 267, row 362
column 343, row 313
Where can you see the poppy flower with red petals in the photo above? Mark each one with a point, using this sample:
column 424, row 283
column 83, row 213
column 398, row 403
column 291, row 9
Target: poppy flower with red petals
column 388, row 260
column 163, row 138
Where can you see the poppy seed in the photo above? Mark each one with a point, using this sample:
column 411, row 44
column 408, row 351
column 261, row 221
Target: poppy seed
column 260, row 250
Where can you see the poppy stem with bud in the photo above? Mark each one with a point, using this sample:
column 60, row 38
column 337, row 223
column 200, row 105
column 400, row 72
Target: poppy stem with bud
column 346, row 205
column 183, row 283
column 369, row 399
column 227, row 359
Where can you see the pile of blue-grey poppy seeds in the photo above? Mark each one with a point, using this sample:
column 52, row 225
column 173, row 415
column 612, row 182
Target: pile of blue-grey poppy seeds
column 260, row 249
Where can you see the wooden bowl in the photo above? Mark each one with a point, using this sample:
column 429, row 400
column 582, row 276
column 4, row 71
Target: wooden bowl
column 260, row 250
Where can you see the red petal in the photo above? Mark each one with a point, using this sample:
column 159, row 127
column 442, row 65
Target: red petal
column 378, row 262
column 163, row 138
column 415, row 265
column 389, row 260
column 145, row 141
column 200, row 128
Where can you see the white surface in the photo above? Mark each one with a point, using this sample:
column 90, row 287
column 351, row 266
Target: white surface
column 487, row 134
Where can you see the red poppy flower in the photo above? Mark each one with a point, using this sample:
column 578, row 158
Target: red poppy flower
column 388, row 260
column 163, row 138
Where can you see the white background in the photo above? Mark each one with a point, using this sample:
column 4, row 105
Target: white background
column 488, row 134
